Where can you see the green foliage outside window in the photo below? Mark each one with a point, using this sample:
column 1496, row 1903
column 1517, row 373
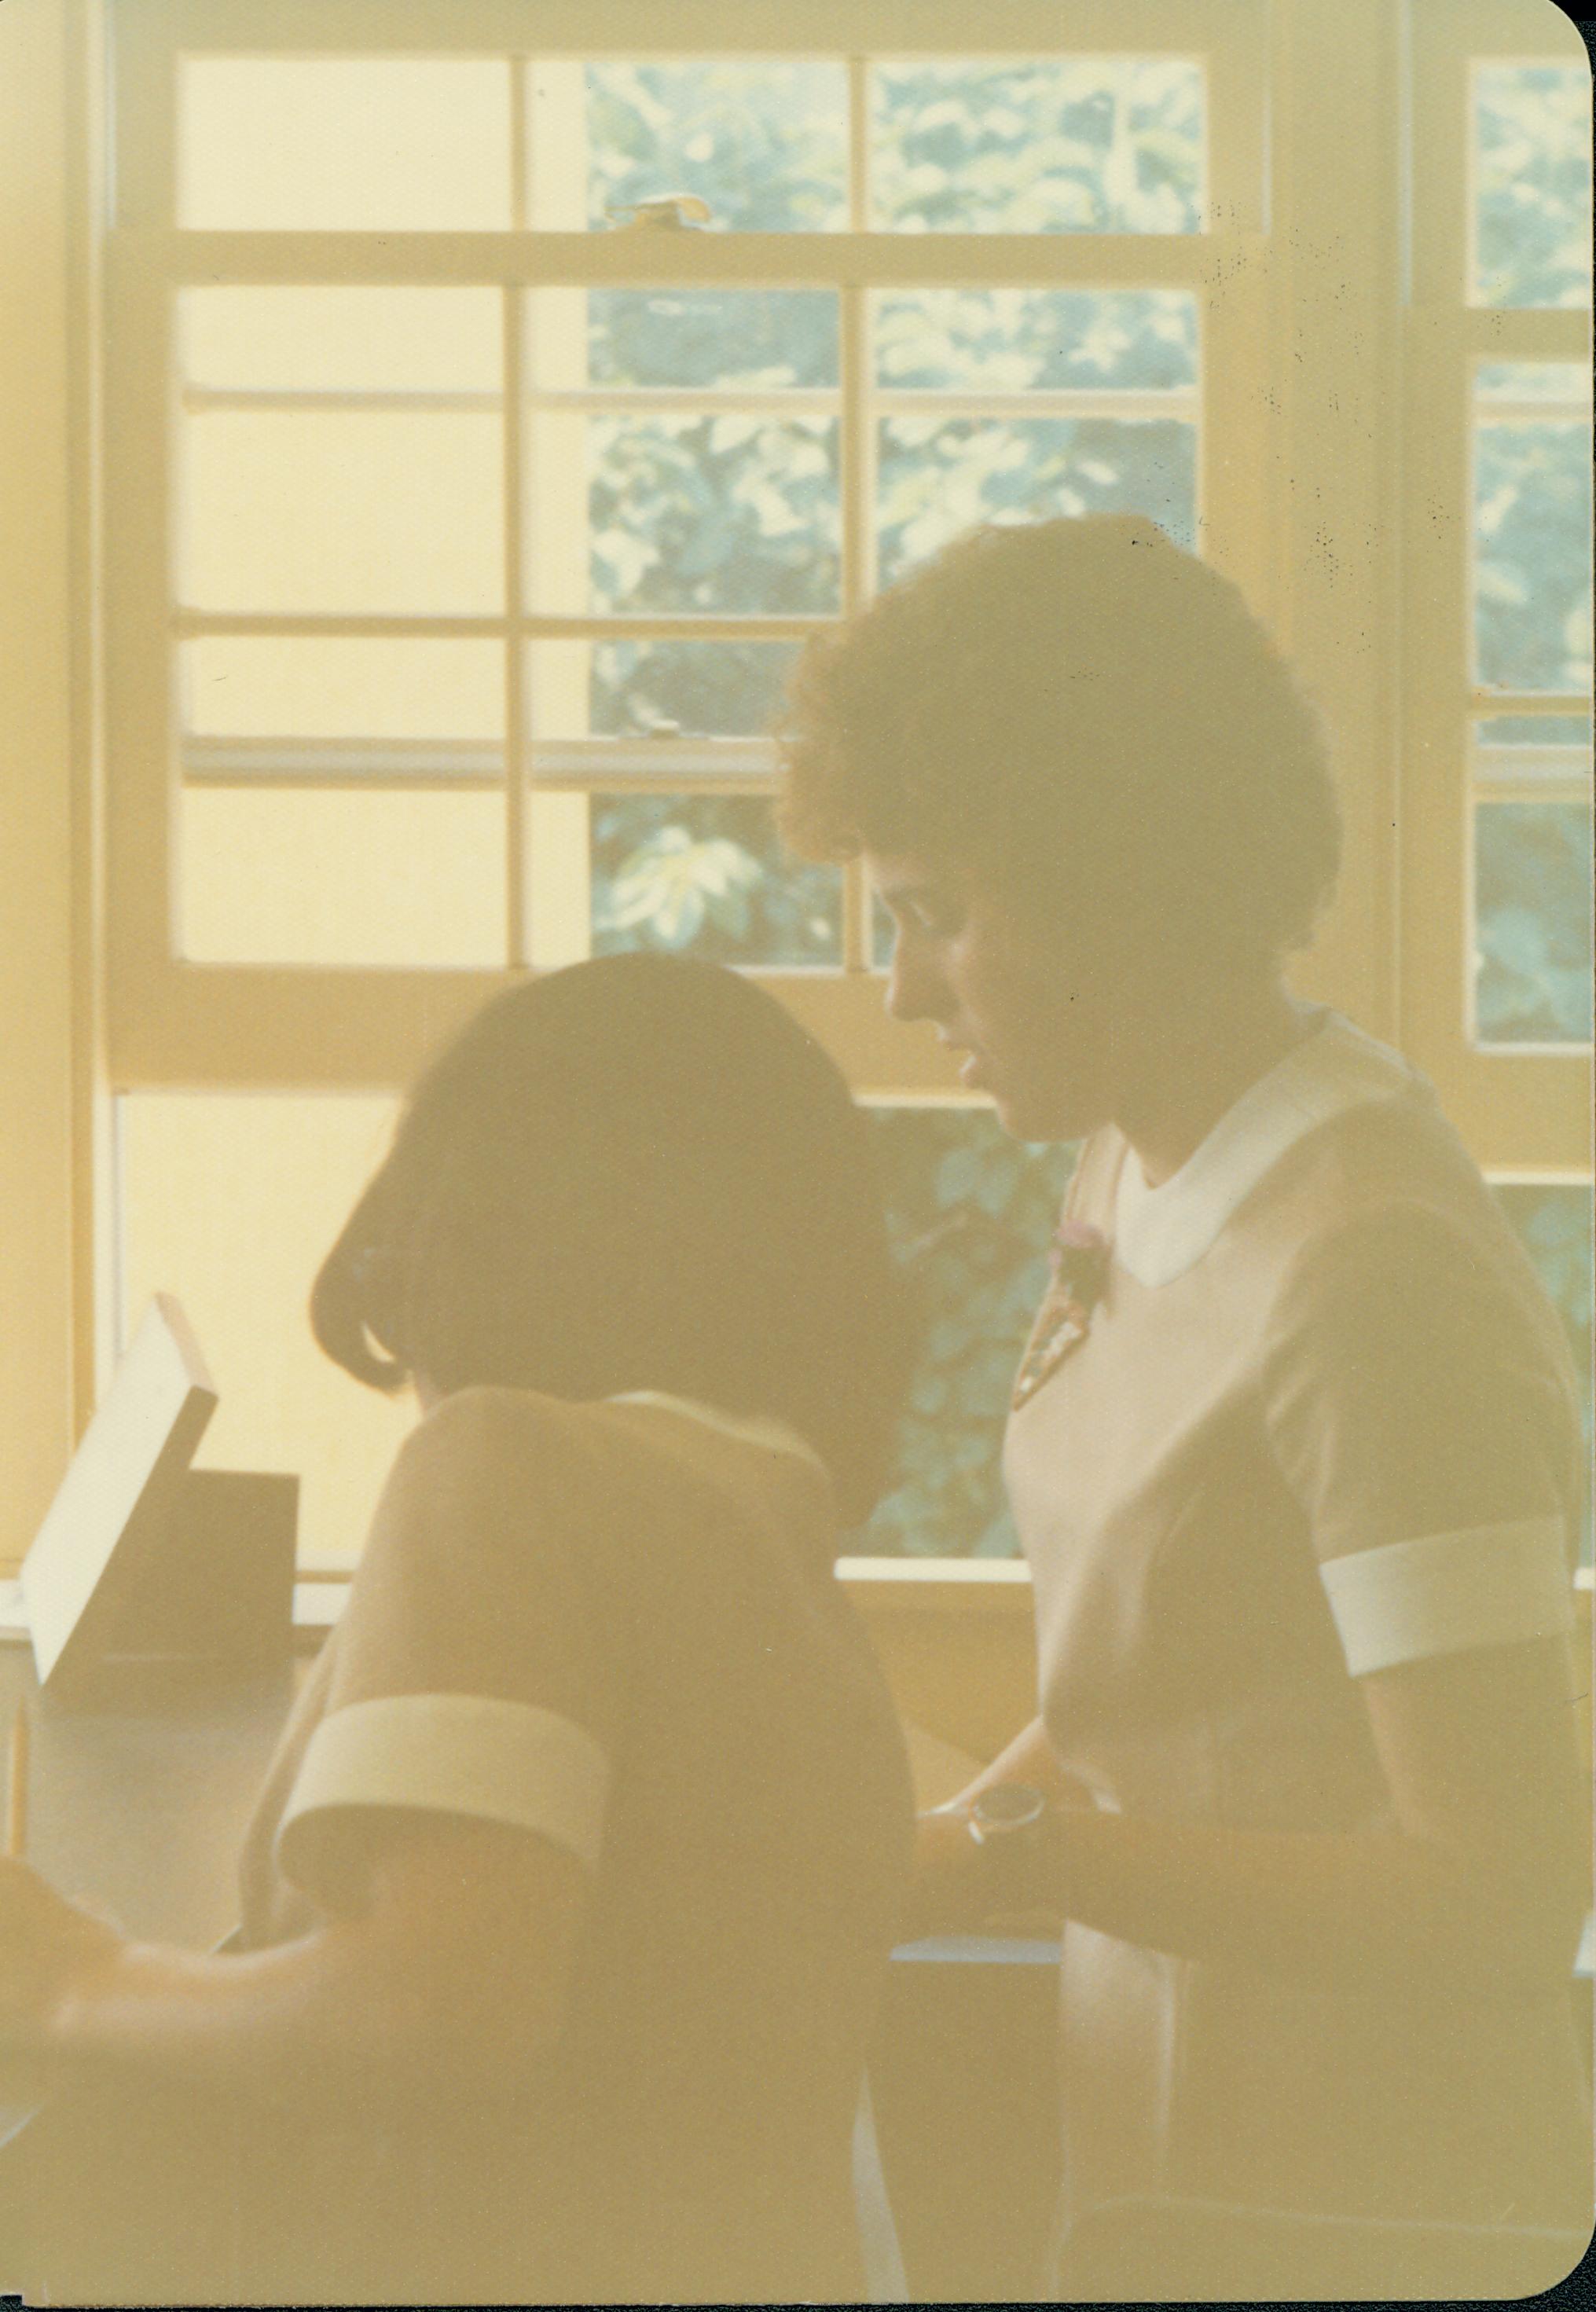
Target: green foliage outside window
column 739, row 514
column 970, row 1212
column 1076, row 145
column 1557, row 1229
column 765, row 146
column 705, row 872
column 1532, row 542
column 1532, row 914
column 1533, row 185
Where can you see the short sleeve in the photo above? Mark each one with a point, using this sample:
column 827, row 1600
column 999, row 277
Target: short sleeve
column 1420, row 1419
column 474, row 1671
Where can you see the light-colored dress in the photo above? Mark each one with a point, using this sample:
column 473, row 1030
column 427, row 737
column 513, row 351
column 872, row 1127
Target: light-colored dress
column 1323, row 1421
column 615, row 1625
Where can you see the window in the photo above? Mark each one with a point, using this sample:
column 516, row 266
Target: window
column 1496, row 722
column 464, row 514
column 493, row 519
column 1496, row 734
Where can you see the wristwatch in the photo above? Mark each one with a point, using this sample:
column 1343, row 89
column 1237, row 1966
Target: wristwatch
column 1017, row 1832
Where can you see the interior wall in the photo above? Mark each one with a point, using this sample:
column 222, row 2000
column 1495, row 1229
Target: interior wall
column 36, row 783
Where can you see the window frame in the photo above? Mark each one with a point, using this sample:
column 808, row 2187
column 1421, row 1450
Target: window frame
column 1329, row 93
column 1523, row 1109
column 171, row 1021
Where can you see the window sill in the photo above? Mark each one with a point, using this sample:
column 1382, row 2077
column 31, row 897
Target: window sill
column 993, row 1585
column 939, row 1585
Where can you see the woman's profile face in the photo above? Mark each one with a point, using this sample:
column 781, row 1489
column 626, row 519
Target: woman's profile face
column 1035, row 1024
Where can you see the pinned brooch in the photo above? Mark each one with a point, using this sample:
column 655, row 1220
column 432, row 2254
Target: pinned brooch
column 1078, row 1256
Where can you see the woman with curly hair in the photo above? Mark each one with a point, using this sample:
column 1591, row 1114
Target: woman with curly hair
column 1295, row 1452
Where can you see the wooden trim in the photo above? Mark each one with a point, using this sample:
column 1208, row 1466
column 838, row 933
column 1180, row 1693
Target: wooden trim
column 746, row 260
column 219, row 1026
column 937, row 1585
column 796, row 27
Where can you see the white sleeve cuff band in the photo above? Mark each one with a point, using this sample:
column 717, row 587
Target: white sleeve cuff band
column 463, row 1753
column 1491, row 1585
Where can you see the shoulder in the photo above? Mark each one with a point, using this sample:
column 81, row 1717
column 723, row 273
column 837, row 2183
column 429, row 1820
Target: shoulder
column 496, row 1469
column 477, row 1430
column 1406, row 1284
column 1412, row 1333
column 492, row 1469
column 1384, row 1200
column 1389, row 1258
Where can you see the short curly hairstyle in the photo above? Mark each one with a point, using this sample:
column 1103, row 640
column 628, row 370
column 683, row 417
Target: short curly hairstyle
column 1092, row 720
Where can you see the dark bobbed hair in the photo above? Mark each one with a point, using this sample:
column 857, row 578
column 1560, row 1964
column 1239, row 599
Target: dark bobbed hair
column 1090, row 719
column 637, row 1173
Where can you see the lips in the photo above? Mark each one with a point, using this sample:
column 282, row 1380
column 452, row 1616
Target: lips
column 973, row 1073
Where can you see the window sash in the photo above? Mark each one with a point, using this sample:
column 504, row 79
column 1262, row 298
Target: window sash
column 175, row 1021
column 171, row 1021
column 1522, row 1107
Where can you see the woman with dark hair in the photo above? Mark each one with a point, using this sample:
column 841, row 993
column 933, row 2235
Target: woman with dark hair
column 567, row 1903
column 1295, row 1453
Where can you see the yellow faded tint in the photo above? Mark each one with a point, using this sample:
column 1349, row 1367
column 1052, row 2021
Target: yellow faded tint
column 229, row 1203
column 36, row 636
column 333, row 876
column 356, row 142
column 310, row 687
column 342, row 509
column 303, row 340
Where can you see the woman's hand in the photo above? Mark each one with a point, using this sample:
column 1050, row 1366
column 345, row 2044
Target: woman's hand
column 951, row 1893
column 50, row 1951
column 946, row 1893
column 443, row 1985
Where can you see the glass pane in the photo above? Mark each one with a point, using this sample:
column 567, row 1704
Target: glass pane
column 723, row 514
column 1554, row 1222
column 232, row 1201
column 1532, row 185
column 707, row 874
column 627, row 689
column 970, row 1212
column 1532, row 527
column 323, row 340
column 937, row 476
column 764, row 144
column 1532, row 923
column 1018, row 340
column 355, row 144
column 1556, row 384
column 331, row 876
column 1065, row 145
column 707, row 337
column 341, row 510
column 1534, row 730
column 444, row 700
column 1543, row 748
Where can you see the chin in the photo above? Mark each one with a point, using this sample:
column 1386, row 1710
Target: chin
column 1057, row 1105
column 1036, row 1120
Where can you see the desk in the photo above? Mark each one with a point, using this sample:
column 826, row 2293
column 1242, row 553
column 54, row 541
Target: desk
column 140, row 1811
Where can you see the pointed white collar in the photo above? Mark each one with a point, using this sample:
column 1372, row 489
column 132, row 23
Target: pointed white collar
column 753, row 1429
column 1159, row 1233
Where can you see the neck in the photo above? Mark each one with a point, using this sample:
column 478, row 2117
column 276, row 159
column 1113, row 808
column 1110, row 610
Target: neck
column 1197, row 1062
